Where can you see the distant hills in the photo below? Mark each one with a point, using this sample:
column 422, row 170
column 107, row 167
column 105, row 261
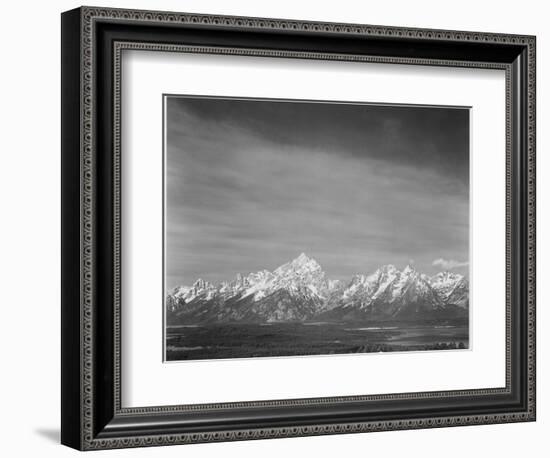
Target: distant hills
column 299, row 291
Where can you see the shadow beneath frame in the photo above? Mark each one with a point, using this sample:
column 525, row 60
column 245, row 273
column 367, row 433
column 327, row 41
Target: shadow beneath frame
column 53, row 435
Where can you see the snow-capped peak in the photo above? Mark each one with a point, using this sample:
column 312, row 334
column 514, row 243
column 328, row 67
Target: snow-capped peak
column 388, row 268
column 301, row 272
column 358, row 279
column 200, row 288
column 448, row 284
column 302, row 259
column 301, row 263
column 202, row 284
column 445, row 276
column 408, row 270
column 445, row 281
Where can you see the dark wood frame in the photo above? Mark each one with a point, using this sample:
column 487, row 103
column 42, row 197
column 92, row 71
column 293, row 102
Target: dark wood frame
column 92, row 42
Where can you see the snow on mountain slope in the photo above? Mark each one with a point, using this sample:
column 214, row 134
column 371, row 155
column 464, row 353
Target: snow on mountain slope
column 299, row 290
column 200, row 288
column 452, row 288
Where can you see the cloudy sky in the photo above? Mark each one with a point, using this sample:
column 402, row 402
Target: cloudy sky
column 251, row 184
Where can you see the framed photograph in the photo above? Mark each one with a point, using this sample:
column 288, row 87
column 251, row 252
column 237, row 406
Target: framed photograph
column 276, row 228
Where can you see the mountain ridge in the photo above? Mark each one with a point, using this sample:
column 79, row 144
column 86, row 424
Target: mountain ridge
column 299, row 291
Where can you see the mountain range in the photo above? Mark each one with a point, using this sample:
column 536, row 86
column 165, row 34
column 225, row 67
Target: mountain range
column 299, row 291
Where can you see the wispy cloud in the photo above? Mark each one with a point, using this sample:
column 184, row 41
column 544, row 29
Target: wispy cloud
column 449, row 264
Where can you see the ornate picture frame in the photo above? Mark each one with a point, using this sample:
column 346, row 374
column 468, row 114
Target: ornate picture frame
column 93, row 416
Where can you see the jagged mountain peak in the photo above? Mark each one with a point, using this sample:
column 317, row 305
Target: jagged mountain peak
column 302, row 258
column 358, row 278
column 302, row 263
column 446, row 280
column 409, row 269
column 453, row 288
column 446, row 276
column 388, row 268
column 202, row 284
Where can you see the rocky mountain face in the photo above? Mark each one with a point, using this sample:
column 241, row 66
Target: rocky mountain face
column 453, row 288
column 299, row 291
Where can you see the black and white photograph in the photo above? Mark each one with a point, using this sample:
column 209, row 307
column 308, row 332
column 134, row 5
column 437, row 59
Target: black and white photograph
column 314, row 228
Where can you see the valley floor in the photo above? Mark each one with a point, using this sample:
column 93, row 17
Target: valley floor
column 225, row 341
